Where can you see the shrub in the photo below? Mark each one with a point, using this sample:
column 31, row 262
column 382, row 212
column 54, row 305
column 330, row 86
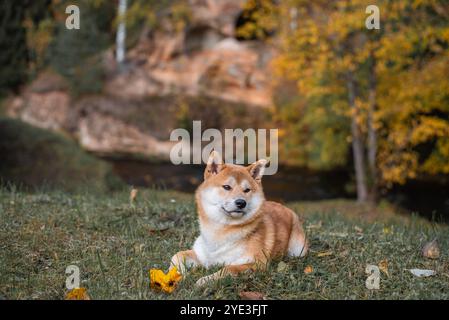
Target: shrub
column 33, row 157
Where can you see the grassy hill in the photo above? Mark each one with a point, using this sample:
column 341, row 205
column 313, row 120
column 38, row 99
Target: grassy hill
column 32, row 157
column 115, row 244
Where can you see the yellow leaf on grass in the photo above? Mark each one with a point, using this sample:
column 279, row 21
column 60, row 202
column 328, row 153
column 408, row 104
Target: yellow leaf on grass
column 324, row 254
column 133, row 195
column 77, row 294
column 308, row 269
column 164, row 282
column 431, row 250
column 383, row 266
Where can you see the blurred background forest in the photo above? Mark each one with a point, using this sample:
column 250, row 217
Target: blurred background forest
column 361, row 113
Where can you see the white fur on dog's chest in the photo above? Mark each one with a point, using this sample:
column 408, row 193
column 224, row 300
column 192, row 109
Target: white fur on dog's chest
column 210, row 252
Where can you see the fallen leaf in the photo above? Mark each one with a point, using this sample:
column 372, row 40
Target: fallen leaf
column 324, row 254
column 133, row 195
column 160, row 226
column 431, row 250
column 422, row 272
column 383, row 266
column 164, row 282
column 308, row 269
column 338, row 234
column 358, row 229
column 252, row 295
column 282, row 267
column 77, row 294
column 387, row 230
column 315, row 226
column 138, row 248
column 161, row 229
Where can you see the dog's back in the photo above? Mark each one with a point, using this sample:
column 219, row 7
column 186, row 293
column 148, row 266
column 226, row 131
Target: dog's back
column 278, row 233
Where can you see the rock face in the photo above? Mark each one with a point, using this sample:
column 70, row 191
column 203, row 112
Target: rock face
column 204, row 61
column 44, row 104
column 106, row 134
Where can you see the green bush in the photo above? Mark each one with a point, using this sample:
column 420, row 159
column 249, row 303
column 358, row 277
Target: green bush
column 34, row 158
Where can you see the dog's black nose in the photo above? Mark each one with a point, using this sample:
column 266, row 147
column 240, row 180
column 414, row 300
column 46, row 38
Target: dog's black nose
column 240, row 203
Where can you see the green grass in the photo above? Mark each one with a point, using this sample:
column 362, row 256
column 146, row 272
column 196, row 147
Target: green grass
column 115, row 244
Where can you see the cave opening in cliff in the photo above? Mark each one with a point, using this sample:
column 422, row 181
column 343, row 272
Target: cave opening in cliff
column 200, row 38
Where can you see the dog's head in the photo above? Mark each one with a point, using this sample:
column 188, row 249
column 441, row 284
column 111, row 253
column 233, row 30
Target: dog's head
column 231, row 194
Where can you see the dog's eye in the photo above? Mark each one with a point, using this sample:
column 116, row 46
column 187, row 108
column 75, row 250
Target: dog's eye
column 247, row 190
column 227, row 187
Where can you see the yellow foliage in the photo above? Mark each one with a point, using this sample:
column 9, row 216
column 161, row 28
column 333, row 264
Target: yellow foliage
column 411, row 68
column 77, row 294
column 165, row 282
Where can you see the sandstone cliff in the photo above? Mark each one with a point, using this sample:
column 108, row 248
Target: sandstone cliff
column 171, row 77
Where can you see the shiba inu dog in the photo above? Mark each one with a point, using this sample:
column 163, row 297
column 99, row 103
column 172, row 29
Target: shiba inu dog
column 239, row 229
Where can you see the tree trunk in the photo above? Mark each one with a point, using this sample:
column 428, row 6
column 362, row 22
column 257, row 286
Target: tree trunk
column 372, row 134
column 357, row 144
column 293, row 19
column 121, row 33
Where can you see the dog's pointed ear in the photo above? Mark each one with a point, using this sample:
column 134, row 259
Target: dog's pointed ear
column 257, row 169
column 214, row 164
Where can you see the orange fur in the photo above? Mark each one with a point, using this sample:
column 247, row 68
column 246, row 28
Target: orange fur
column 245, row 239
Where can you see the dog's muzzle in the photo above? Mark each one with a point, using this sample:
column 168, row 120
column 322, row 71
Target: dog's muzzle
column 234, row 213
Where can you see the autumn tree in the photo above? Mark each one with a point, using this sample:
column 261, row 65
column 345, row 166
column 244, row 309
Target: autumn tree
column 354, row 86
column 413, row 90
column 326, row 53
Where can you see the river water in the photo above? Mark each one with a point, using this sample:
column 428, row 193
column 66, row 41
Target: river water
column 426, row 198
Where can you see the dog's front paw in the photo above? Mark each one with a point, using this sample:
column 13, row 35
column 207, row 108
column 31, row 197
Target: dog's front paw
column 179, row 263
